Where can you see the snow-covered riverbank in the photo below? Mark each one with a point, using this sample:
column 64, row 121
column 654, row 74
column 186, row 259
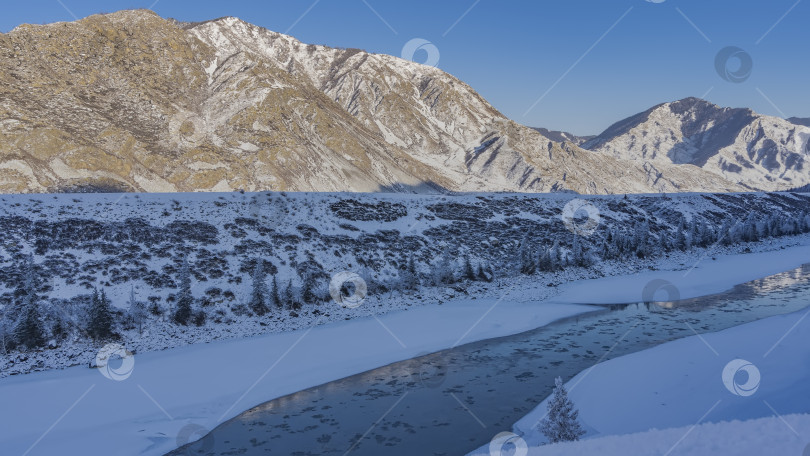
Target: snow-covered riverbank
column 772, row 436
column 679, row 384
column 78, row 410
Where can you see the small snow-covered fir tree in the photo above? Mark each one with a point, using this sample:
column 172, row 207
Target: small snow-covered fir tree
column 469, row 272
column 544, row 262
column 27, row 328
column 557, row 260
column 27, row 287
column 750, row 230
column 184, row 297
column 443, row 271
column 308, row 288
column 137, row 310
column 579, row 255
column 275, row 294
column 259, row 294
column 101, row 319
column 289, row 298
column 561, row 424
column 728, row 232
column 408, row 277
column 681, row 242
column 526, row 257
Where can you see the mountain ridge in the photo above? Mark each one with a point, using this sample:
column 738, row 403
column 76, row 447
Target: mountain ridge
column 133, row 102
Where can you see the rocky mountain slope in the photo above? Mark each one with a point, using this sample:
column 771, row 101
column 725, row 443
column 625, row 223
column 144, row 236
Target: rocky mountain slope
column 131, row 101
column 753, row 150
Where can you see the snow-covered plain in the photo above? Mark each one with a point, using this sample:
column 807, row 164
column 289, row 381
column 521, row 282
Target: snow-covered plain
column 79, row 411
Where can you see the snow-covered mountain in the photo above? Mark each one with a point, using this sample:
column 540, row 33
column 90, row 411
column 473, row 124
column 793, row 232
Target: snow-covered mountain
column 563, row 136
column 805, row 121
column 135, row 102
column 750, row 149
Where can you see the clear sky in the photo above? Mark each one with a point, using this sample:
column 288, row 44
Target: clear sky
column 575, row 65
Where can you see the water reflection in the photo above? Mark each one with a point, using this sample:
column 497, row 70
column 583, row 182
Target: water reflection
column 453, row 401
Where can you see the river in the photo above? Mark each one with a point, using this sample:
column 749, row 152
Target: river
column 452, row 402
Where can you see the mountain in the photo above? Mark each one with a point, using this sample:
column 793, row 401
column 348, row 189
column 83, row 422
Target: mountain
column 563, row 136
column 134, row 102
column 739, row 145
column 799, row 121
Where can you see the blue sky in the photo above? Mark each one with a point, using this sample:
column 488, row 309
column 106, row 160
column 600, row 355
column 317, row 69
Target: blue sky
column 576, row 65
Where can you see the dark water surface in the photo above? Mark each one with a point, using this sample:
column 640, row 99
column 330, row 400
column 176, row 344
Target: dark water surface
column 454, row 401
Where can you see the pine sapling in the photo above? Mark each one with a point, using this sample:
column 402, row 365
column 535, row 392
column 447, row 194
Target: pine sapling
column 561, row 424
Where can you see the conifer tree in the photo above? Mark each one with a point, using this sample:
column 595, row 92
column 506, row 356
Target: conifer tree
column 275, row 294
column 561, row 424
column 469, row 272
column 557, row 260
column 259, row 295
column 184, row 297
column 308, row 285
column 526, row 257
column 409, row 278
column 137, row 310
column 289, row 297
column 101, row 319
column 443, row 273
column 680, row 234
column 28, row 329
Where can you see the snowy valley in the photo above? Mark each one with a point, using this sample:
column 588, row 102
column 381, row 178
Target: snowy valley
column 256, row 269
column 221, row 239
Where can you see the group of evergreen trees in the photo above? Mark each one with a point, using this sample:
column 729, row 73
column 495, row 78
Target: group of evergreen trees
column 26, row 319
column 446, row 270
column 264, row 300
column 642, row 242
column 550, row 259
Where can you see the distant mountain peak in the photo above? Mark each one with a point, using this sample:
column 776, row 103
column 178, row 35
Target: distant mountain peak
column 736, row 144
